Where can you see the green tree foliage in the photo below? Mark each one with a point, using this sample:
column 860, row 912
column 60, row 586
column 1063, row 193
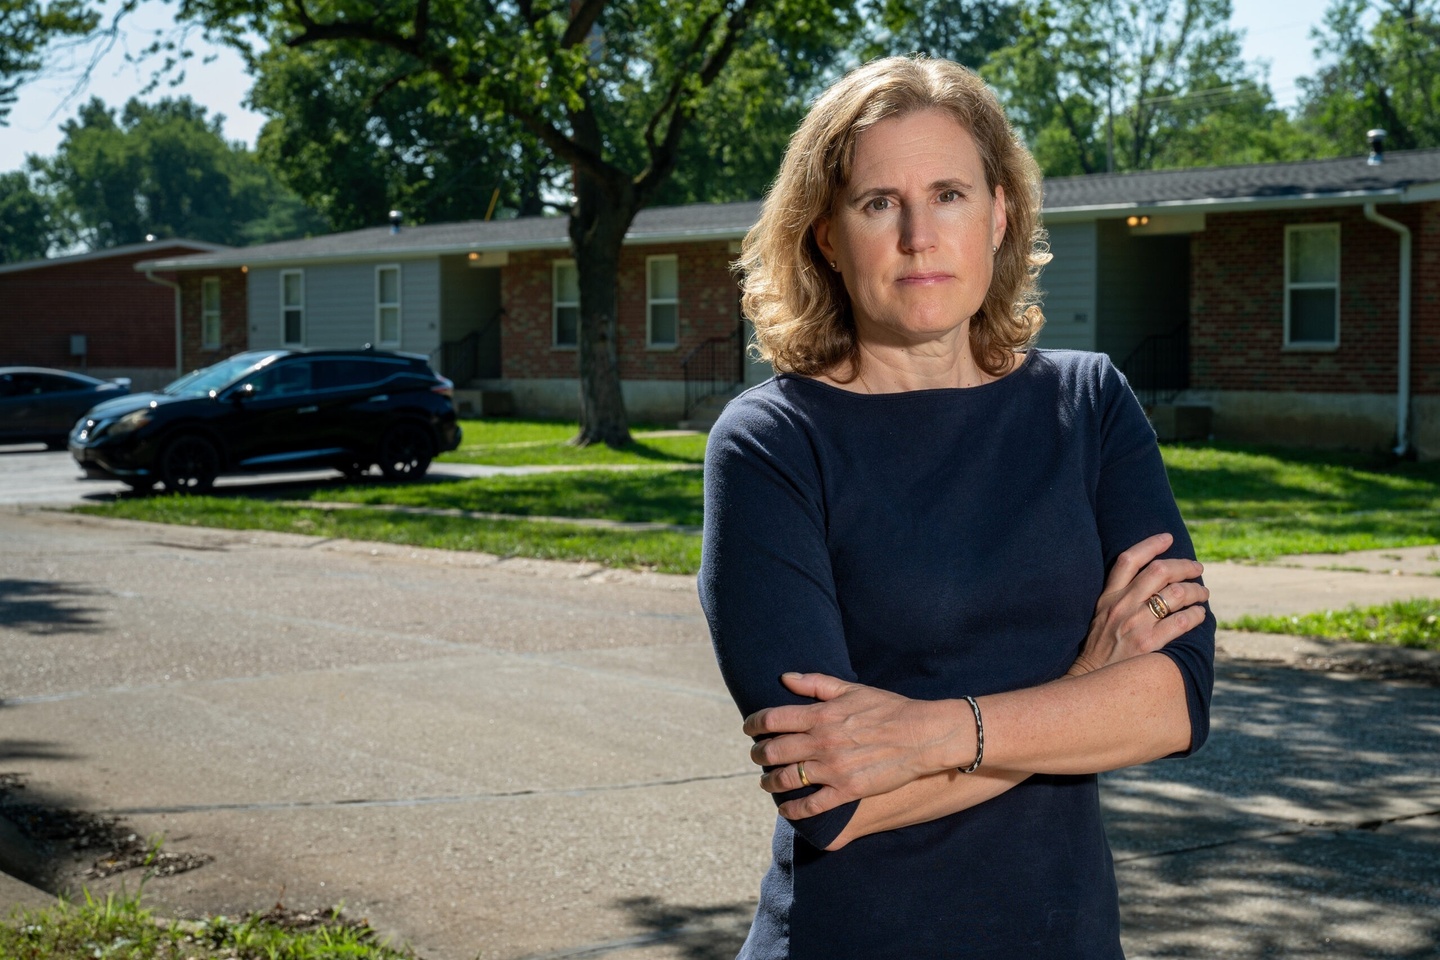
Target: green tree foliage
column 1384, row 72
column 355, row 137
column 1096, row 85
column 166, row 170
column 966, row 31
column 27, row 29
column 26, row 227
column 584, row 78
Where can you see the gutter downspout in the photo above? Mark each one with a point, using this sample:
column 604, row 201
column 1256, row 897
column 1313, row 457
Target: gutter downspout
column 1402, row 412
column 179, row 353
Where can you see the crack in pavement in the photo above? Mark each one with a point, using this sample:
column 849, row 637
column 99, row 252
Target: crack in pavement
column 282, row 805
column 1300, row 827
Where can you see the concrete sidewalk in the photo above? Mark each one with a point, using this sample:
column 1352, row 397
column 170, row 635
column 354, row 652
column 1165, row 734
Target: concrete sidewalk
column 519, row 760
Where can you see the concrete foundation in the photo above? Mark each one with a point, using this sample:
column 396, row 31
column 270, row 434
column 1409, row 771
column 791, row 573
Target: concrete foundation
column 1349, row 421
column 654, row 400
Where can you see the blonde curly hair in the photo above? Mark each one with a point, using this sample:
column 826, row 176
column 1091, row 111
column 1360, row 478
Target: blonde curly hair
column 799, row 306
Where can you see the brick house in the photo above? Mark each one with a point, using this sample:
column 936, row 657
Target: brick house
column 493, row 304
column 1266, row 296
column 93, row 313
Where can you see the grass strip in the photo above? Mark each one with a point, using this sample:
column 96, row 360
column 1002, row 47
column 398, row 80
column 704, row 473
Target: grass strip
column 119, row 928
column 663, row 551
column 509, row 443
column 1403, row 623
column 1265, row 538
column 651, row 496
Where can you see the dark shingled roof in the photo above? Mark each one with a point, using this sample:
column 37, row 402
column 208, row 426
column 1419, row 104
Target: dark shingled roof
column 1257, row 182
column 1344, row 179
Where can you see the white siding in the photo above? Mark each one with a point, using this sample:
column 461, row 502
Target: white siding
column 1069, row 285
column 340, row 305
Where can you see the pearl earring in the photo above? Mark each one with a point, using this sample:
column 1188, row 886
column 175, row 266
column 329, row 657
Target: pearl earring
column 834, row 266
column 994, row 250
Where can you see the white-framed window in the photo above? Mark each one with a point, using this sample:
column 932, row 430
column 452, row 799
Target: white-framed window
column 565, row 295
column 662, row 302
column 1312, row 286
column 210, row 313
column 292, row 308
column 387, row 306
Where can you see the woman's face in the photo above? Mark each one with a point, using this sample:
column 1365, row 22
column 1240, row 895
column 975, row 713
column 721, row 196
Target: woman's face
column 913, row 230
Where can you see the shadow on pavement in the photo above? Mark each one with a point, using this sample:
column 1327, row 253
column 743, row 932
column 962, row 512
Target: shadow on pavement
column 695, row 933
column 45, row 606
column 1309, row 825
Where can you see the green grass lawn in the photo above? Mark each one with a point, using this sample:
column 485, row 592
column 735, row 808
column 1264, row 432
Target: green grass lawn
column 508, row 442
column 1240, row 503
column 1404, row 623
column 1246, row 503
column 119, row 928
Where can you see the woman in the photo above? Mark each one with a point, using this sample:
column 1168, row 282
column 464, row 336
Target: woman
column 906, row 533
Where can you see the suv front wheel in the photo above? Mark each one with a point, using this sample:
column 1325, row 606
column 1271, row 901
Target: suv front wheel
column 189, row 464
column 405, row 452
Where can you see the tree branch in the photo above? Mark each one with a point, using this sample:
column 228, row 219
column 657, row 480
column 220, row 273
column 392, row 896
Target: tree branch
column 581, row 21
column 681, row 109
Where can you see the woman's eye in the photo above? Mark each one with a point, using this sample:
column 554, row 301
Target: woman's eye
column 879, row 203
column 950, row 196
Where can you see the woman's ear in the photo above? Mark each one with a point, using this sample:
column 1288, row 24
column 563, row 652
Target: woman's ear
column 997, row 217
column 821, row 232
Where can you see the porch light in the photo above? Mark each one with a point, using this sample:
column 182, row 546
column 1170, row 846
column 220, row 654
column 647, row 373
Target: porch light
column 1137, row 221
column 244, row 269
column 474, row 255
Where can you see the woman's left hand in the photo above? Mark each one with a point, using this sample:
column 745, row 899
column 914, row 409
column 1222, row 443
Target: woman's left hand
column 857, row 742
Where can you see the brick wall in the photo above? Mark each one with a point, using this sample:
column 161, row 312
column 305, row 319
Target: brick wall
column 1238, row 312
column 708, row 308
column 234, row 336
column 129, row 321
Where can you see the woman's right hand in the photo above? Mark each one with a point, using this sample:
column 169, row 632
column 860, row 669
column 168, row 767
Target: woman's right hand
column 1123, row 625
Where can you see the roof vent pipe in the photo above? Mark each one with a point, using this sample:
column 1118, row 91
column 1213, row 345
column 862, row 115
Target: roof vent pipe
column 1377, row 146
column 395, row 218
column 1402, row 373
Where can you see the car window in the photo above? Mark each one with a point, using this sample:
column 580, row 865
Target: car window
column 282, row 380
column 50, row 383
column 339, row 373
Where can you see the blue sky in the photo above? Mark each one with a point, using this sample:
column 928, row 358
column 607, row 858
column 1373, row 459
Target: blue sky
column 1276, row 33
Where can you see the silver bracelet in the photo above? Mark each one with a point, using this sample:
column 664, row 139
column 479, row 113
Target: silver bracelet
column 979, row 738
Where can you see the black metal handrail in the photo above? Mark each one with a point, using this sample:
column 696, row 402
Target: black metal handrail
column 1159, row 367
column 713, row 366
column 460, row 359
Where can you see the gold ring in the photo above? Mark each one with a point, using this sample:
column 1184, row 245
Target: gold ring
column 1158, row 606
column 804, row 780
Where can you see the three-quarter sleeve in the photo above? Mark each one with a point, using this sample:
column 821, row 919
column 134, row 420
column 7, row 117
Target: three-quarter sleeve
column 765, row 583
column 1133, row 500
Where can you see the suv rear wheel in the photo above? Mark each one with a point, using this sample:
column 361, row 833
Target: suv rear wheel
column 189, row 464
column 405, row 452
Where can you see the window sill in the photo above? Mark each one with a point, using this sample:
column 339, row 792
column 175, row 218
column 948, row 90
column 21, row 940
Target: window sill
column 564, row 347
column 1310, row 348
column 662, row 347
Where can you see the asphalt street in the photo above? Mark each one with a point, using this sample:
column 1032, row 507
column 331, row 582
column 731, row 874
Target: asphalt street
column 522, row 760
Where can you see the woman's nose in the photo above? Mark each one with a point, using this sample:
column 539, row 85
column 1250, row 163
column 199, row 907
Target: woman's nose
column 917, row 230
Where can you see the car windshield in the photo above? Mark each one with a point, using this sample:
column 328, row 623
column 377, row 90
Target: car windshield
column 201, row 383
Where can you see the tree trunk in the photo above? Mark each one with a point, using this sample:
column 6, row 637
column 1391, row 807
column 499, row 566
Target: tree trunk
column 602, row 215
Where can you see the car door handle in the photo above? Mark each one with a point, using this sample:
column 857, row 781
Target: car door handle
column 307, row 410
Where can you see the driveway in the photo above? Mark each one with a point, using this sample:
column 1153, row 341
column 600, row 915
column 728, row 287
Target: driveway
column 522, row 760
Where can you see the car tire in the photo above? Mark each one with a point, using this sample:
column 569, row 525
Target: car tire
column 140, row 484
column 356, row 472
column 405, row 452
column 189, row 464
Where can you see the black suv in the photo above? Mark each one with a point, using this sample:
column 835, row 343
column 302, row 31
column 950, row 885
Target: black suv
column 273, row 410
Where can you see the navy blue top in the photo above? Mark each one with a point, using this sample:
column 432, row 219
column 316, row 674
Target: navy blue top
column 936, row 543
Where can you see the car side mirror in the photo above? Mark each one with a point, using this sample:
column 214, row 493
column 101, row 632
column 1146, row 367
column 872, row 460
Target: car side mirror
column 245, row 391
